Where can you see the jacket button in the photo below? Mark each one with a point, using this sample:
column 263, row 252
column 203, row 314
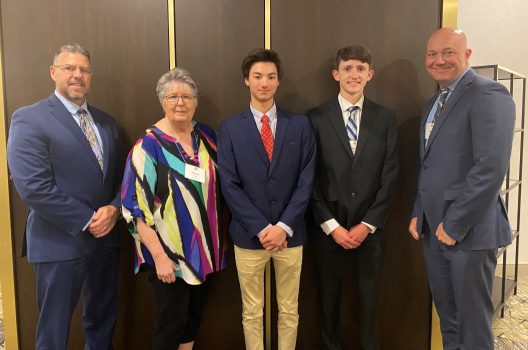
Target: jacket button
column 272, row 202
column 271, row 180
column 353, row 194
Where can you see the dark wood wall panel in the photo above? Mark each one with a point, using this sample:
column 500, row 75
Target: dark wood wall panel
column 128, row 41
column 306, row 34
column 212, row 38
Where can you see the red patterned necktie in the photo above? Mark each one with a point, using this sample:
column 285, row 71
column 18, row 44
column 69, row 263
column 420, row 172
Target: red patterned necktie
column 266, row 135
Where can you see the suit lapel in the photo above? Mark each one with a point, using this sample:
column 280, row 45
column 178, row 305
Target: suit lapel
column 280, row 133
column 460, row 90
column 335, row 116
column 61, row 113
column 251, row 128
column 367, row 120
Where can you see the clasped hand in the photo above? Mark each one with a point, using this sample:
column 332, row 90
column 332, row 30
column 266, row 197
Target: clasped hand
column 273, row 238
column 103, row 221
column 350, row 239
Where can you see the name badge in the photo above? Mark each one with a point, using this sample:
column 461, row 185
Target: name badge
column 194, row 173
column 428, row 129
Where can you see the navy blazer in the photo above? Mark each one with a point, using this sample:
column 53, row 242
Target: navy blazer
column 259, row 192
column 57, row 175
column 462, row 169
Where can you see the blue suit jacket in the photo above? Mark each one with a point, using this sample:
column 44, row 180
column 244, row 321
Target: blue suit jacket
column 463, row 166
column 57, row 175
column 259, row 192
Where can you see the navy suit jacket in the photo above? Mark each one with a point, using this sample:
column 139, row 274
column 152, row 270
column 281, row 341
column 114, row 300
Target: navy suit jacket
column 259, row 192
column 57, row 175
column 463, row 166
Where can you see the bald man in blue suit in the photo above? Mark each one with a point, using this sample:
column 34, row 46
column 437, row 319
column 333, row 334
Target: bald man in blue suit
column 66, row 165
column 465, row 144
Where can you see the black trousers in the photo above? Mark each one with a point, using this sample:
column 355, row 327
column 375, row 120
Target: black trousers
column 179, row 311
column 331, row 267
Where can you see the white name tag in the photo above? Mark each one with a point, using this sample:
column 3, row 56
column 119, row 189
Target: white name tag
column 428, row 129
column 194, row 173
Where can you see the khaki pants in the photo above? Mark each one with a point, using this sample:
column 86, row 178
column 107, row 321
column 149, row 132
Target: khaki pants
column 250, row 266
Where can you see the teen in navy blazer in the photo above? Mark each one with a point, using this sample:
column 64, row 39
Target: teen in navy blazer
column 260, row 192
column 267, row 186
column 73, row 205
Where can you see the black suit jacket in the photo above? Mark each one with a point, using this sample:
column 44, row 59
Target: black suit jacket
column 354, row 187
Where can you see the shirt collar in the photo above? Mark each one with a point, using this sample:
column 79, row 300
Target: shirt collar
column 72, row 107
column 455, row 83
column 344, row 104
column 272, row 113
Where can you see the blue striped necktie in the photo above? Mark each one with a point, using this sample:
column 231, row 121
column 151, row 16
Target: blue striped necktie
column 441, row 102
column 351, row 125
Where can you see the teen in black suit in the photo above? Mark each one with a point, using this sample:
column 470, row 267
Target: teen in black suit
column 355, row 179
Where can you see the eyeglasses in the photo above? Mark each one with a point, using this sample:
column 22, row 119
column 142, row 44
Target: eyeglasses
column 173, row 99
column 69, row 69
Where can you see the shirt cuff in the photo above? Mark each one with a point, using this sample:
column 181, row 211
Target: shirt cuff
column 89, row 222
column 329, row 225
column 371, row 228
column 286, row 228
column 262, row 231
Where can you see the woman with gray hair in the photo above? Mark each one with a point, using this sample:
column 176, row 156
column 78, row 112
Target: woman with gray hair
column 172, row 203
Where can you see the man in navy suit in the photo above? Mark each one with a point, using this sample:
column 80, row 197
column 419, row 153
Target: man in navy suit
column 266, row 159
column 65, row 163
column 355, row 179
column 465, row 144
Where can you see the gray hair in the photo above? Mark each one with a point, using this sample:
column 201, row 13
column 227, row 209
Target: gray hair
column 72, row 48
column 173, row 76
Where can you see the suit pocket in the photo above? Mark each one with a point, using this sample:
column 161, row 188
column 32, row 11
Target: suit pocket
column 451, row 194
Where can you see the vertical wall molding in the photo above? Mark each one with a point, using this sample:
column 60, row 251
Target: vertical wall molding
column 449, row 13
column 7, row 272
column 267, row 316
column 172, row 34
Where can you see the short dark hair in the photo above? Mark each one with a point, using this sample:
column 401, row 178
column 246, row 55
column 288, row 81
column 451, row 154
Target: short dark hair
column 353, row 52
column 261, row 55
column 72, row 48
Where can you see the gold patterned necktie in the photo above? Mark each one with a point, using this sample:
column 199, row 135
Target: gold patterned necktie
column 89, row 132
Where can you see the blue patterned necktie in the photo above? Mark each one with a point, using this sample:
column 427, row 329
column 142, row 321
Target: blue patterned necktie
column 351, row 125
column 89, row 132
column 444, row 92
column 441, row 102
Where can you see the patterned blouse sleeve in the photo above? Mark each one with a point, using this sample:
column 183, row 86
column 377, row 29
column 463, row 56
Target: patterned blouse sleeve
column 138, row 187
